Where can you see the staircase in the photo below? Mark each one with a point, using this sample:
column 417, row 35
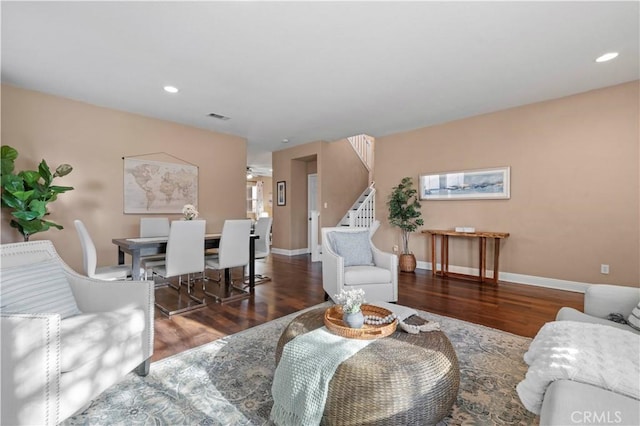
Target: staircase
column 363, row 145
column 362, row 213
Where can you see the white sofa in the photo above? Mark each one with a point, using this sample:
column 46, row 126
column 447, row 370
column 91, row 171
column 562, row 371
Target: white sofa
column 568, row 402
column 361, row 265
column 53, row 364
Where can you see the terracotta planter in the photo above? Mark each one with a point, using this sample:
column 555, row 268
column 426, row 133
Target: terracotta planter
column 407, row 262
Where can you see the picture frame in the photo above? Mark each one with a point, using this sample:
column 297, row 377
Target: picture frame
column 480, row 184
column 281, row 193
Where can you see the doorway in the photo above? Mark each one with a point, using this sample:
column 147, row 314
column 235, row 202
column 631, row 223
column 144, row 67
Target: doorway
column 313, row 216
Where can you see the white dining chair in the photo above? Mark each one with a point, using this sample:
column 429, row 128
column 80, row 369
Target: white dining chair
column 233, row 252
column 183, row 257
column 90, row 259
column 262, row 245
column 153, row 227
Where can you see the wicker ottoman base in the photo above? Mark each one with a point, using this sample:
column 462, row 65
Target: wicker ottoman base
column 403, row 379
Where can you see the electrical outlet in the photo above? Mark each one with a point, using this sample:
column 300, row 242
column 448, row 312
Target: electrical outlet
column 395, row 249
column 604, row 269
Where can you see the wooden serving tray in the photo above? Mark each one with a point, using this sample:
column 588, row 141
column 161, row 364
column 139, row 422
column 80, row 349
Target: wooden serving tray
column 333, row 322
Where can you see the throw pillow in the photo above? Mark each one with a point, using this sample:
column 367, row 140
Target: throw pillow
column 634, row 318
column 354, row 247
column 37, row 288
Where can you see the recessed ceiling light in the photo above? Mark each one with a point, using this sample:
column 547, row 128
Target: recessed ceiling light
column 285, row 140
column 171, row 89
column 607, row 57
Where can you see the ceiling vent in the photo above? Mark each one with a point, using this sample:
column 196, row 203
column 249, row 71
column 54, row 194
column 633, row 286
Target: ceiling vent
column 218, row 116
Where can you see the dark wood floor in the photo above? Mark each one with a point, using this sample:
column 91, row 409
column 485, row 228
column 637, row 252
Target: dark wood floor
column 297, row 284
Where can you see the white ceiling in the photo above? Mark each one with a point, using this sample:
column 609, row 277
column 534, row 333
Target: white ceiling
column 307, row 71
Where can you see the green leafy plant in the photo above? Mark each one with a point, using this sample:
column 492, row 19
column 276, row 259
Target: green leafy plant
column 28, row 192
column 404, row 210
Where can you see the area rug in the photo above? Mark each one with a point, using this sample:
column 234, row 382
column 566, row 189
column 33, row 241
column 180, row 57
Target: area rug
column 228, row 381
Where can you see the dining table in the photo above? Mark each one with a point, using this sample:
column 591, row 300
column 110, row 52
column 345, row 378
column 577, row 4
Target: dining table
column 147, row 246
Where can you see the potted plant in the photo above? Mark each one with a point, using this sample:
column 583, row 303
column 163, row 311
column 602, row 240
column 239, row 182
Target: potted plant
column 28, row 192
column 404, row 212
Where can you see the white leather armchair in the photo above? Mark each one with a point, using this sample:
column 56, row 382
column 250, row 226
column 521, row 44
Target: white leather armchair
column 51, row 367
column 600, row 300
column 378, row 279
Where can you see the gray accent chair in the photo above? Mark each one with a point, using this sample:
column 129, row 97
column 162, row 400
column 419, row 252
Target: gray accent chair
column 52, row 367
column 567, row 402
column 601, row 300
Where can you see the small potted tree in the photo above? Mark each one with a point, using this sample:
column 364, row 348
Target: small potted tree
column 404, row 212
column 27, row 193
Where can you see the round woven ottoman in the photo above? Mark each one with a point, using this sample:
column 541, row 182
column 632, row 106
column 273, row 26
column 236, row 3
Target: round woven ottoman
column 402, row 379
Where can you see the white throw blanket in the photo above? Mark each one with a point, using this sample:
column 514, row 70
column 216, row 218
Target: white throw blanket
column 588, row 353
column 301, row 380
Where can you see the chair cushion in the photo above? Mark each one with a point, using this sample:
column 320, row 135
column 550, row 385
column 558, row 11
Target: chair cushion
column 358, row 275
column 37, row 288
column 87, row 337
column 354, row 247
column 634, row 318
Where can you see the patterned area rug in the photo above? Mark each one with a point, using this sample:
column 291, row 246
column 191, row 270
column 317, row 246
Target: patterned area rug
column 228, row 381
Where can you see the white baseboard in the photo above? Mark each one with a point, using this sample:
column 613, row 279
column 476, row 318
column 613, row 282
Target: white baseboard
column 295, row 252
column 286, row 252
column 574, row 286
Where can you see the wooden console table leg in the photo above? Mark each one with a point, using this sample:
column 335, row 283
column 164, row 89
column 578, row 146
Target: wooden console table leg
column 483, row 258
column 445, row 256
column 433, row 254
column 496, row 256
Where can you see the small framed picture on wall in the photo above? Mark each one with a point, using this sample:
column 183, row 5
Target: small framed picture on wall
column 281, row 190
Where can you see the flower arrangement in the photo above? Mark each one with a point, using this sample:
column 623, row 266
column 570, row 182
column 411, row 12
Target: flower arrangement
column 189, row 211
column 351, row 300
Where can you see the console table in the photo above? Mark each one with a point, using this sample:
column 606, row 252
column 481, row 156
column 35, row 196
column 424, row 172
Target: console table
column 444, row 253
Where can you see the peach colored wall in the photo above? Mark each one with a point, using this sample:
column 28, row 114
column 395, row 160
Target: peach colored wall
column 290, row 221
column 341, row 179
column 93, row 140
column 344, row 180
column 575, row 185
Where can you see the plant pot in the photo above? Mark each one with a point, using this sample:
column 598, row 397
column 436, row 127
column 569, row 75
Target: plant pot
column 407, row 262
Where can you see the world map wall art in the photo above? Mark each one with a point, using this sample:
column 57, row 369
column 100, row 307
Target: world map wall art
column 158, row 187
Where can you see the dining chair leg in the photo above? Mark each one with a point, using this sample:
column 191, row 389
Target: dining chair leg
column 190, row 285
column 218, row 282
column 257, row 279
column 164, row 283
column 201, row 303
column 226, row 287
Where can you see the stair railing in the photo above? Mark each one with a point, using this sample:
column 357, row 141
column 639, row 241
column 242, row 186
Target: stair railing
column 363, row 145
column 364, row 215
